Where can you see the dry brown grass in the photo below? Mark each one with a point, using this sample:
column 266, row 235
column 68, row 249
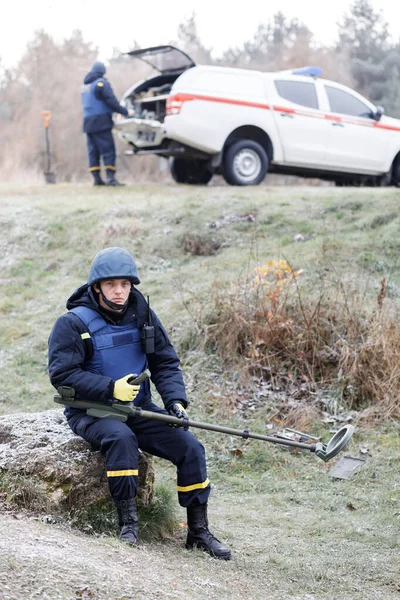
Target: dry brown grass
column 270, row 326
column 373, row 366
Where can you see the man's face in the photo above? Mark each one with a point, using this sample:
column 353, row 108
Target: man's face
column 115, row 290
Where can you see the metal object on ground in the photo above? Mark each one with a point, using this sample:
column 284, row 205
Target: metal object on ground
column 298, row 436
column 346, row 467
column 49, row 176
column 124, row 410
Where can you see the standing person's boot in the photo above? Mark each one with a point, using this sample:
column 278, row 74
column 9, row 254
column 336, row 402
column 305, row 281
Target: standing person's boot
column 128, row 521
column 111, row 178
column 199, row 536
column 97, row 178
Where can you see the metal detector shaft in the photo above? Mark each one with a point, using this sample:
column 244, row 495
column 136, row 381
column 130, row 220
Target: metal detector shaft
column 323, row 451
column 146, row 414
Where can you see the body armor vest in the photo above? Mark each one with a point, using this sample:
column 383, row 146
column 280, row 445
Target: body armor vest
column 91, row 105
column 117, row 349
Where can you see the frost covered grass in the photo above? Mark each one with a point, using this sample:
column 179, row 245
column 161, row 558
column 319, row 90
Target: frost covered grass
column 296, row 533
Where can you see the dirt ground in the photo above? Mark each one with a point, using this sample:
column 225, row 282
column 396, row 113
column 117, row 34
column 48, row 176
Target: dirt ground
column 40, row 560
column 282, row 549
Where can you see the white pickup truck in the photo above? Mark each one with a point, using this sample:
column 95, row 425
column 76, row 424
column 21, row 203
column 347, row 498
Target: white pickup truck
column 243, row 124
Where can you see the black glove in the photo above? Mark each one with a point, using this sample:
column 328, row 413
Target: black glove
column 177, row 410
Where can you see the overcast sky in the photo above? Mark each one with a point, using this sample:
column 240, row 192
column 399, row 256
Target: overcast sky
column 117, row 24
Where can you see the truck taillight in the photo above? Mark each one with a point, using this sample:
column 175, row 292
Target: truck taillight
column 175, row 103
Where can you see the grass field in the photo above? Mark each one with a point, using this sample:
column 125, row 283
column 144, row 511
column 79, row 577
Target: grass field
column 296, row 533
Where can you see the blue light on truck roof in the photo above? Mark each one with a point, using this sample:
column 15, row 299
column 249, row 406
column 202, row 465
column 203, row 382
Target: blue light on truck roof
column 312, row 71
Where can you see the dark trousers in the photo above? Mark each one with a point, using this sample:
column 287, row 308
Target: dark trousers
column 119, row 442
column 101, row 144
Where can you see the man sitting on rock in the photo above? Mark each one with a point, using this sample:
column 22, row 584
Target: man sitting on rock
column 108, row 335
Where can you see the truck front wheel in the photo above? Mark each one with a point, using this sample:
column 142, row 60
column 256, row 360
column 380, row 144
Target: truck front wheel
column 194, row 172
column 245, row 163
column 396, row 173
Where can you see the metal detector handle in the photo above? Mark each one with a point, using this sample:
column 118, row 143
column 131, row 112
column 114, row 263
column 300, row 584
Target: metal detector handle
column 65, row 392
column 137, row 379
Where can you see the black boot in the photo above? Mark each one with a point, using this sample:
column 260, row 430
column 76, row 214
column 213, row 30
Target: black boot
column 128, row 521
column 111, row 178
column 97, row 178
column 199, row 535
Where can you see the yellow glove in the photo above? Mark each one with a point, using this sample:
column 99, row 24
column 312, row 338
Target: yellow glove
column 125, row 391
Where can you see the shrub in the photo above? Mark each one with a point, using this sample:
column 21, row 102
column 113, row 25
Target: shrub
column 271, row 326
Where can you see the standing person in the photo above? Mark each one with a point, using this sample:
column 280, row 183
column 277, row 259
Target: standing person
column 99, row 103
column 108, row 335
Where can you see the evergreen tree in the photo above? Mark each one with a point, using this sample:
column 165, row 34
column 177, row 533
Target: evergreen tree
column 374, row 60
column 279, row 44
column 363, row 32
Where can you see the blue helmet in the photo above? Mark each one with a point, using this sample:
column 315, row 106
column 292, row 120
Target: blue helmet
column 113, row 263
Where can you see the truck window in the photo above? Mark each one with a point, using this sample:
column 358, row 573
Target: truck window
column 299, row 92
column 347, row 104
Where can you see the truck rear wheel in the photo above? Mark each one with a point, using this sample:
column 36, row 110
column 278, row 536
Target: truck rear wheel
column 245, row 163
column 194, row 172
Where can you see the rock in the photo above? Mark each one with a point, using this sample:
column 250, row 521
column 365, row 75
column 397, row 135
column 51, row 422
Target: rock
column 42, row 448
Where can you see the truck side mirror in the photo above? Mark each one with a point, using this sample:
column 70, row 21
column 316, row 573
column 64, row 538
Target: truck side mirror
column 378, row 113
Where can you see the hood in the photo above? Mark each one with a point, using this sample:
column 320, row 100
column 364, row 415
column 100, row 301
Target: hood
column 83, row 296
column 98, row 66
column 92, row 76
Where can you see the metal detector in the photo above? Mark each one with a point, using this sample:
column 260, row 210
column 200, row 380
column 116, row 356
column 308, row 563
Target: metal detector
column 125, row 410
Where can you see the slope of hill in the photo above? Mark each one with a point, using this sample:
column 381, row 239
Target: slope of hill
column 295, row 532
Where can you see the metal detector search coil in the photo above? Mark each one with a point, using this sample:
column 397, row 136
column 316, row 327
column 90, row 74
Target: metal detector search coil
column 335, row 444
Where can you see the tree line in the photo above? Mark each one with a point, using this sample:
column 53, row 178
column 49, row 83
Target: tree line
column 50, row 74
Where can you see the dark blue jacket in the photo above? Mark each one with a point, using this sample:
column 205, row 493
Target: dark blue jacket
column 99, row 102
column 68, row 353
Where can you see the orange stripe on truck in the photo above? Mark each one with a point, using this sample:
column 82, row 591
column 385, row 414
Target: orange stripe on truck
column 175, row 102
column 284, row 109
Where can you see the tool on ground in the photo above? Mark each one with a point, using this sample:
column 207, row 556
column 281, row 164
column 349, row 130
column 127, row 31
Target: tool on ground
column 124, row 410
column 347, row 467
column 49, row 176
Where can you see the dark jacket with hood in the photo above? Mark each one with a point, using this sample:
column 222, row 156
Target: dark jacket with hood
column 68, row 353
column 99, row 102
